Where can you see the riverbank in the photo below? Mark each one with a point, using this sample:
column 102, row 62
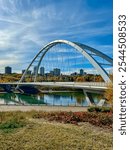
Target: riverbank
column 41, row 108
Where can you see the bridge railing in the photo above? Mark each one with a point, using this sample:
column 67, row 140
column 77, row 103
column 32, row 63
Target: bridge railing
column 96, row 84
column 101, row 84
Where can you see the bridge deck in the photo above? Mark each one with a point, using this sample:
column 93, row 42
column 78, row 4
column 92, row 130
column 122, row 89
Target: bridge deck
column 76, row 85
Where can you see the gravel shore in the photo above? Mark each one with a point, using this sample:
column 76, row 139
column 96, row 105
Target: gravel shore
column 41, row 108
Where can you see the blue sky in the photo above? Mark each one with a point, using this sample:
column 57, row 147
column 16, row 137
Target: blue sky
column 27, row 25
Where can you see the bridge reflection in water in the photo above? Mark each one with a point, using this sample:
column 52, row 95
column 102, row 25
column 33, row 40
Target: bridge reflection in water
column 87, row 87
column 56, row 99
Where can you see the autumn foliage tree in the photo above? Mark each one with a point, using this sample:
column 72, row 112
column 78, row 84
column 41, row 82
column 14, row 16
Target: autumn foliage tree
column 80, row 79
column 109, row 93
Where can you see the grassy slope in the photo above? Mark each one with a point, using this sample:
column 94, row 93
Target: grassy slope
column 56, row 136
column 39, row 134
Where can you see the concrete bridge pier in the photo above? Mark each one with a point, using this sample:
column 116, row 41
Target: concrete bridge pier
column 88, row 97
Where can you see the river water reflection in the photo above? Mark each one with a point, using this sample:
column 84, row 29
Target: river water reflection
column 58, row 98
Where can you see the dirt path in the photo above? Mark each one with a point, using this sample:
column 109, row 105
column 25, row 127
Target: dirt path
column 41, row 108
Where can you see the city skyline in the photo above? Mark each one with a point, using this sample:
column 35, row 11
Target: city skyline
column 26, row 26
column 43, row 71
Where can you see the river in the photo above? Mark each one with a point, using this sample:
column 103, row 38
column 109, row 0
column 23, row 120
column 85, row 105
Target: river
column 57, row 98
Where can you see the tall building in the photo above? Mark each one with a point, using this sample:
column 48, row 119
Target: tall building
column 8, row 70
column 23, row 71
column 51, row 73
column 56, row 72
column 74, row 74
column 28, row 72
column 42, row 71
column 35, row 70
column 81, row 72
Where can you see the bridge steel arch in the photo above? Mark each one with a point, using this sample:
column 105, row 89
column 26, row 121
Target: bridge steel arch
column 80, row 48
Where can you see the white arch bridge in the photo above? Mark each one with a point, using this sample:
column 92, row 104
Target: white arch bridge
column 86, row 51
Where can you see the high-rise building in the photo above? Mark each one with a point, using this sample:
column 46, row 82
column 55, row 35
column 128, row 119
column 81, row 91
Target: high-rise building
column 23, row 71
column 8, row 70
column 28, row 72
column 42, row 71
column 74, row 74
column 51, row 73
column 81, row 72
column 35, row 70
column 56, row 72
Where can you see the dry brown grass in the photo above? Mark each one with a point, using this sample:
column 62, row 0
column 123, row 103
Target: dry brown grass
column 39, row 134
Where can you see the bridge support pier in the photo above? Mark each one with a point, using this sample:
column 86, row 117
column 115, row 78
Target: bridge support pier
column 88, row 97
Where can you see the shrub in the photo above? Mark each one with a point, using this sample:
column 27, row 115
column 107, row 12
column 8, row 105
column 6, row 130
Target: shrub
column 97, row 117
column 13, row 123
column 37, row 115
column 99, row 109
column 106, row 120
column 91, row 109
column 106, row 109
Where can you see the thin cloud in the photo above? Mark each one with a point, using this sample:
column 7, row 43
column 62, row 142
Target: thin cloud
column 26, row 26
